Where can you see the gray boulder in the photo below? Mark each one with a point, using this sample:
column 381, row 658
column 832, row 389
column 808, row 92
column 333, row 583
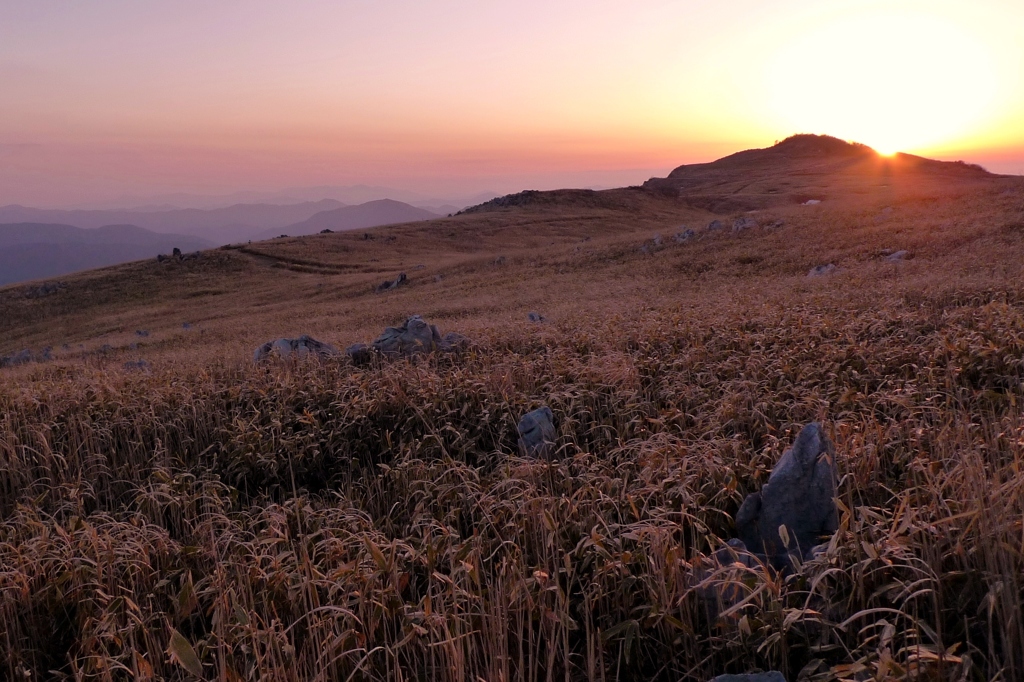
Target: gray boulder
column 392, row 283
column 770, row 676
column 537, row 434
column 453, row 342
column 822, row 270
column 743, row 224
column 898, row 256
column 414, row 337
column 302, row 347
column 684, row 236
column 715, row 225
column 360, row 353
column 534, row 316
column 801, row 495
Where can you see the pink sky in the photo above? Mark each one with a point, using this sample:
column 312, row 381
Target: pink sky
column 115, row 98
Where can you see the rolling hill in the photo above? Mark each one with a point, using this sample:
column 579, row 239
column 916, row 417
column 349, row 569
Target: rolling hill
column 321, row 520
column 358, row 217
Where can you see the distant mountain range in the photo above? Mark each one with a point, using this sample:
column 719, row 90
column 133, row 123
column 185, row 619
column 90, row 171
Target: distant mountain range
column 218, row 225
column 370, row 214
column 37, row 251
column 39, row 243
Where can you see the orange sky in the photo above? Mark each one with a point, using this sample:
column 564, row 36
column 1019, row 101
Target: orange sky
column 117, row 98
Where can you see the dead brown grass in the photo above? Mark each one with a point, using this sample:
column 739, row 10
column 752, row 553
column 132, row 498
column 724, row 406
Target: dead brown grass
column 317, row 521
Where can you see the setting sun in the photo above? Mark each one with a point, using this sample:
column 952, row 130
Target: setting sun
column 896, row 82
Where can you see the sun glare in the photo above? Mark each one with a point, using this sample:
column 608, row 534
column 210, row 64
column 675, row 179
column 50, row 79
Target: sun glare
column 894, row 82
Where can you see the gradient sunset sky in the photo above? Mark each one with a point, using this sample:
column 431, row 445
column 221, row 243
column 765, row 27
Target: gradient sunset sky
column 122, row 98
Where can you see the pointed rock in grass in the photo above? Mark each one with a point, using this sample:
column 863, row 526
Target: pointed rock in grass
column 302, row 347
column 796, row 509
column 537, row 433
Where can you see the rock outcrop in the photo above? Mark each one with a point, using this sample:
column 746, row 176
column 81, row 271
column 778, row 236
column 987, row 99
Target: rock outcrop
column 302, row 347
column 414, row 337
column 537, row 434
column 796, row 510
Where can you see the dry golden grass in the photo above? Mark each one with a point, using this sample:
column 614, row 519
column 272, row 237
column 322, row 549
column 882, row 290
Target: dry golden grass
column 217, row 519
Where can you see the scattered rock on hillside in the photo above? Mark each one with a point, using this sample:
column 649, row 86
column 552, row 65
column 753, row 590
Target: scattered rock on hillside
column 744, row 223
column 822, row 270
column 500, row 260
column 812, row 202
column 534, row 316
column 419, row 267
column 657, row 240
column 770, row 676
column 302, row 347
column 414, row 337
column 20, row 358
column 537, row 433
column 393, row 283
column 684, row 236
column 142, row 332
column 801, row 495
column 775, row 224
column 898, row 256
column 45, row 289
column 715, row 225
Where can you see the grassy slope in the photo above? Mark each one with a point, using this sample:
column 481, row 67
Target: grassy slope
column 318, row 519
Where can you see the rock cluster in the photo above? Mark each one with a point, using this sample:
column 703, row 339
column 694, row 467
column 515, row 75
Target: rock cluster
column 44, row 289
column 416, row 336
column 25, row 356
column 302, row 347
column 684, row 235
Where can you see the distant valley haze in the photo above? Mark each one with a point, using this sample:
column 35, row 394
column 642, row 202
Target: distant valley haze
column 40, row 243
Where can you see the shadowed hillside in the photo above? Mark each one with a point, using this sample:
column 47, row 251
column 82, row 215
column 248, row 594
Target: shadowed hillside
column 170, row 508
column 33, row 251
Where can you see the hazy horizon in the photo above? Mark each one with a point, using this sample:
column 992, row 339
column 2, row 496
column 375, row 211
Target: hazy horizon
column 115, row 100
